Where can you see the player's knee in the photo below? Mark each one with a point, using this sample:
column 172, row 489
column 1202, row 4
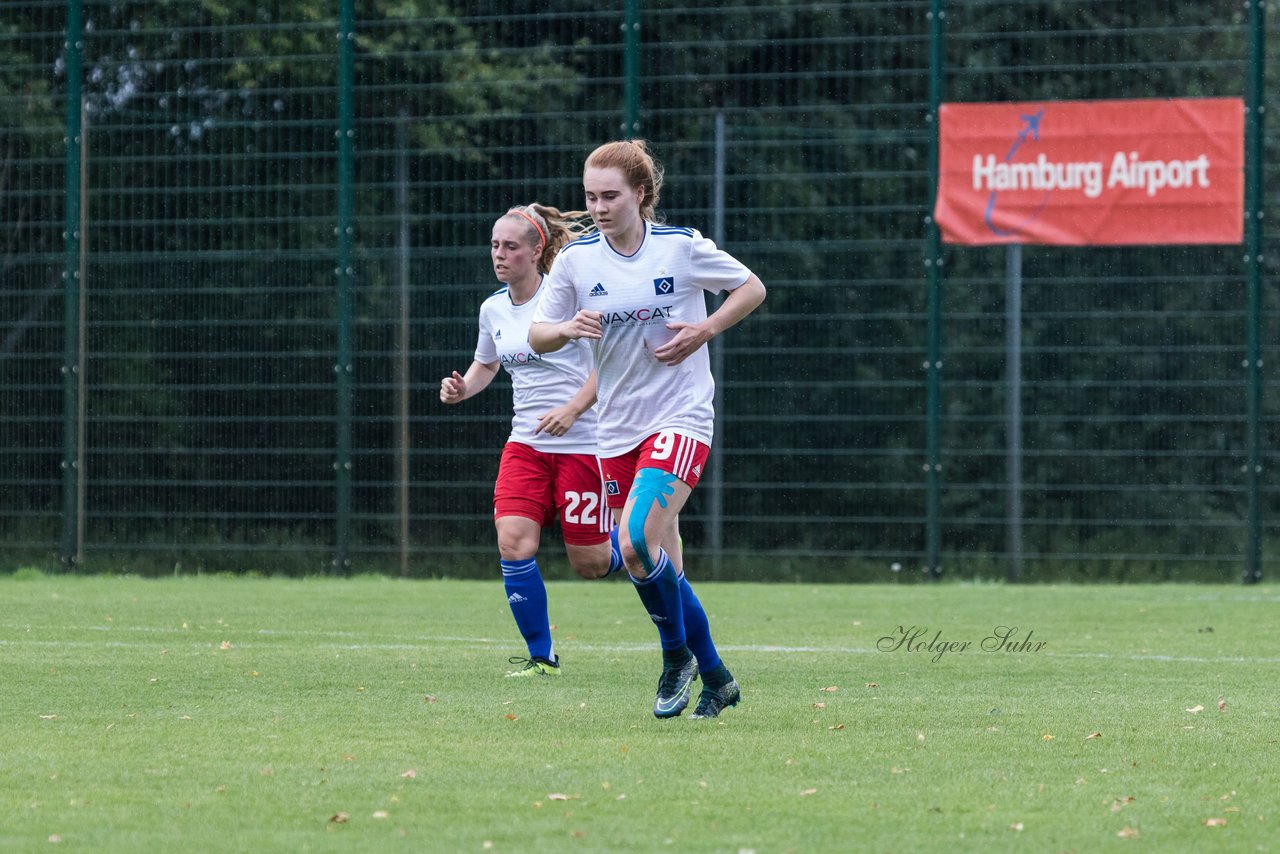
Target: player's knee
column 590, row 568
column 515, row 547
column 634, row 552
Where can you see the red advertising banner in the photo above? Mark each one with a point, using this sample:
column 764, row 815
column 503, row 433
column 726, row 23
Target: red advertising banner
column 1092, row 173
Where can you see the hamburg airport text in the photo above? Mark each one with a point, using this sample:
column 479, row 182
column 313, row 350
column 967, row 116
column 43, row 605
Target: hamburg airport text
column 1127, row 172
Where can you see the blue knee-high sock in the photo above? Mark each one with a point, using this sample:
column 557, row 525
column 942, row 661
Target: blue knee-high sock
column 527, row 596
column 660, row 593
column 697, row 628
column 615, row 553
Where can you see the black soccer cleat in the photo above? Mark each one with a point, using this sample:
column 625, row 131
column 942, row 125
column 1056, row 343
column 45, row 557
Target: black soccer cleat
column 715, row 700
column 674, row 688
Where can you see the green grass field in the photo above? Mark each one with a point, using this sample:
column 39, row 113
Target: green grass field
column 226, row 714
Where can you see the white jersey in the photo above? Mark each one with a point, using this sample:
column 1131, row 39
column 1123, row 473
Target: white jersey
column 666, row 280
column 539, row 383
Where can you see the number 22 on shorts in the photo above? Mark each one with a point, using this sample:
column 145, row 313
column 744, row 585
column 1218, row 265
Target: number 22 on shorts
column 582, row 508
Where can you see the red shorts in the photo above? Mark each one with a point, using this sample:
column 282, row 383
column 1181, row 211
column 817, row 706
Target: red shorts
column 670, row 451
column 542, row 486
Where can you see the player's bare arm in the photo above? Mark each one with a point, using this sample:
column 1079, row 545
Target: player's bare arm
column 690, row 336
column 549, row 337
column 558, row 421
column 456, row 387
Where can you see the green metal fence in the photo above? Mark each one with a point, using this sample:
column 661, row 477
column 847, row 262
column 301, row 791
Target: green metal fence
column 242, row 242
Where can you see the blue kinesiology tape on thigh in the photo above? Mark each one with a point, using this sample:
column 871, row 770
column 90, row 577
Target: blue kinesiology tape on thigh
column 650, row 485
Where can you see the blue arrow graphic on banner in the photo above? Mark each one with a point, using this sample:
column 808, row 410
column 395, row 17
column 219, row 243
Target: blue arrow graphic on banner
column 1030, row 128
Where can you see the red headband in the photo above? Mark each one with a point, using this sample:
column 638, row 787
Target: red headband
column 541, row 233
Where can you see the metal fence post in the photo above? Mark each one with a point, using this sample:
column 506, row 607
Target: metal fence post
column 631, row 69
column 346, row 282
column 403, row 439
column 933, row 266
column 74, row 47
column 1013, row 408
column 1254, row 208
column 715, row 467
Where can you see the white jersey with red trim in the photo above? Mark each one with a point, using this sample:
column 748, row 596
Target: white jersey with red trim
column 664, row 281
column 539, row 382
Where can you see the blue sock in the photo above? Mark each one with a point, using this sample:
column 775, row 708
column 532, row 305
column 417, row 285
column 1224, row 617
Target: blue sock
column 615, row 553
column 527, row 596
column 697, row 628
column 660, row 593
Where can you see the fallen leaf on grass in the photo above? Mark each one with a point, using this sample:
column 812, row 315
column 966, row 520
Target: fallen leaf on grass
column 1128, row 833
column 557, row 796
column 819, row 705
column 48, row 717
column 226, row 645
column 808, row 792
column 1196, row 709
column 430, row 698
column 837, row 726
column 830, row 689
column 410, row 774
column 1222, row 704
column 873, row 684
column 1093, row 735
column 380, row 814
column 1048, row 736
column 1214, row 822
column 1119, row 803
column 511, row 717
column 338, row 818
column 1016, row 826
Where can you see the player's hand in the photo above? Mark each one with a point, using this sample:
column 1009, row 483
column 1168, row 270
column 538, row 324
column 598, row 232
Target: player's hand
column 452, row 388
column 556, row 422
column 584, row 324
column 688, row 338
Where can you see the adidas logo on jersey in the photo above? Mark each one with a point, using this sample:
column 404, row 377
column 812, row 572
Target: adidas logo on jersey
column 516, row 599
column 497, row 336
column 697, row 471
column 598, row 291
